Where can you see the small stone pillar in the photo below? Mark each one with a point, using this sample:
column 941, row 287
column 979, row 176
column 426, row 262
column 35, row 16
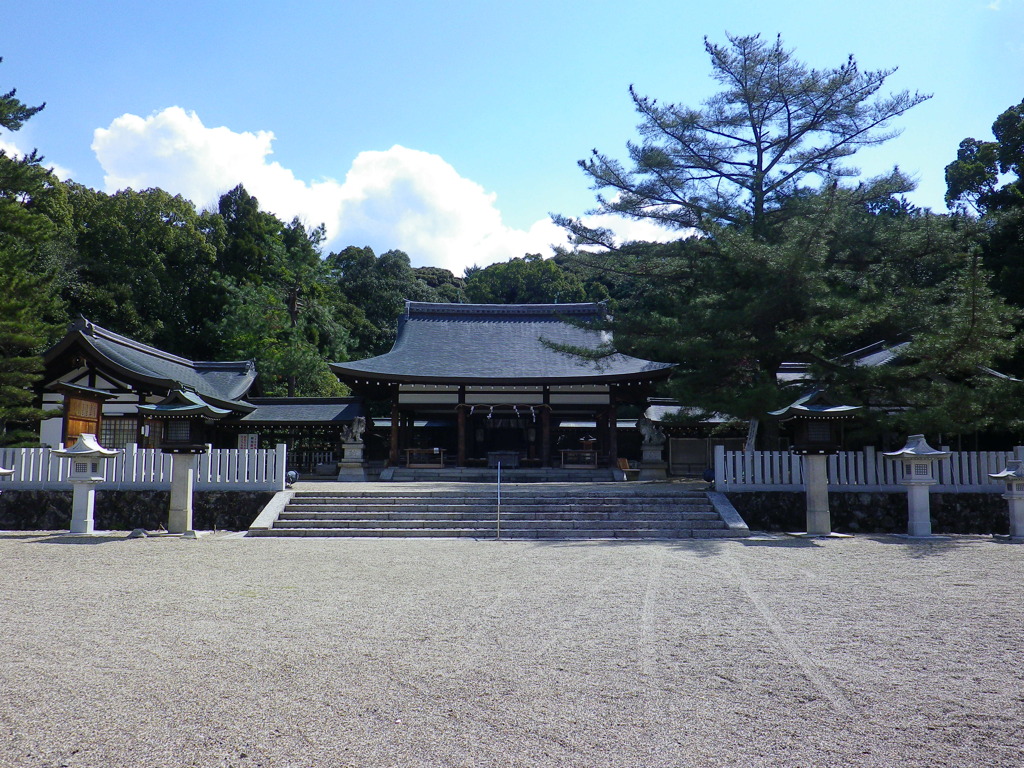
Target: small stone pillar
column 88, row 468
column 918, row 460
column 819, row 516
column 1013, row 476
column 183, row 478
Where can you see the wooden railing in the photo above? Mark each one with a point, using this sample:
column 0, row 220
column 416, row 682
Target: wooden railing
column 866, row 470
column 134, row 468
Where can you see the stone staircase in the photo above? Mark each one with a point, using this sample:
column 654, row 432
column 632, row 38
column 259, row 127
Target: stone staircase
column 535, row 511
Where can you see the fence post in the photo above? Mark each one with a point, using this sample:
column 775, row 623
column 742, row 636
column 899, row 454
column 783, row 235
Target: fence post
column 871, row 466
column 129, row 473
column 720, row 482
column 281, row 465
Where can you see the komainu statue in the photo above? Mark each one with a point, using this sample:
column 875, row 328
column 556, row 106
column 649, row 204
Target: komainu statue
column 353, row 433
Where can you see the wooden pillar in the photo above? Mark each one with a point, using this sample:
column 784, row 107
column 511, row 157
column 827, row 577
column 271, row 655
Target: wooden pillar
column 405, row 430
column 393, row 456
column 545, row 436
column 602, row 431
column 461, row 414
column 613, row 436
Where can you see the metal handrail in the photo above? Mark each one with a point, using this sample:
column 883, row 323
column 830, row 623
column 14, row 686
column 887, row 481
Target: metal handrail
column 498, row 537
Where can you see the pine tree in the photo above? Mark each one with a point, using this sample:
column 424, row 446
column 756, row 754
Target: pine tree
column 29, row 309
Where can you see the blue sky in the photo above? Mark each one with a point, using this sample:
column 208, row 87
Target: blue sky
column 451, row 130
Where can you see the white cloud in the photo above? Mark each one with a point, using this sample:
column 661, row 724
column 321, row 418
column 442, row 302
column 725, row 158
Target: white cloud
column 398, row 198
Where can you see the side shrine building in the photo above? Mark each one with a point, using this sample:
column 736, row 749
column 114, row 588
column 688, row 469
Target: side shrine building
column 474, row 384
column 96, row 380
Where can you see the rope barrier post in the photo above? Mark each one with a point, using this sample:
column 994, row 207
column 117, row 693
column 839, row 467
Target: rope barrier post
column 498, row 536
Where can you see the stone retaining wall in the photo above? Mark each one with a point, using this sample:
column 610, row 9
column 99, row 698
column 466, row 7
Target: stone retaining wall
column 984, row 513
column 125, row 510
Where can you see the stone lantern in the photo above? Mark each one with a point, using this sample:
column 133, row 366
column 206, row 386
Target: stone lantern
column 88, row 467
column 918, row 459
column 1013, row 476
column 186, row 419
column 816, row 422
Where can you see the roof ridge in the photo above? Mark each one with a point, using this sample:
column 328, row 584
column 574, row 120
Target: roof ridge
column 439, row 308
column 90, row 328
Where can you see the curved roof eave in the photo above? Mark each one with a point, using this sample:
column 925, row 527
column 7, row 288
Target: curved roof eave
column 148, row 378
column 652, row 374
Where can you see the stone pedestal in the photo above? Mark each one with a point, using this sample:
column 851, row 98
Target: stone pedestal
column 653, row 467
column 1016, row 501
column 919, row 522
column 819, row 518
column 183, row 475
column 83, row 506
column 351, row 468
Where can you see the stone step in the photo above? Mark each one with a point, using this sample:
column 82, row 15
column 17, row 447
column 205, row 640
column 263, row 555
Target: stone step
column 536, row 533
column 468, row 475
column 567, row 508
column 483, row 514
column 505, row 499
column 505, row 524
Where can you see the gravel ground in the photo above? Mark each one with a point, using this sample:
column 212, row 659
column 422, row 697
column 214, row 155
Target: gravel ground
column 873, row 651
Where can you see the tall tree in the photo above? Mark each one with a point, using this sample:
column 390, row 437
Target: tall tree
column 776, row 127
column 529, row 280
column 985, row 185
column 989, row 175
column 252, row 242
column 145, row 264
column 379, row 286
column 790, row 264
column 283, row 309
column 29, row 307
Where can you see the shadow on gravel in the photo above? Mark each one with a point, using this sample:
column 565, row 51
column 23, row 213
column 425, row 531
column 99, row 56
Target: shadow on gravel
column 71, row 538
column 788, row 542
column 920, row 548
column 699, row 547
column 9, row 535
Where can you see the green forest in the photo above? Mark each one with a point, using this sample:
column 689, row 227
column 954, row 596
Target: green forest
column 785, row 255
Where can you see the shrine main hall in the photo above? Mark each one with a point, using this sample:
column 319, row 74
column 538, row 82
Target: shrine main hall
column 471, row 384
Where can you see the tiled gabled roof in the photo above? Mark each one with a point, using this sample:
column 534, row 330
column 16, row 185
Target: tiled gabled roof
column 494, row 343
column 221, row 383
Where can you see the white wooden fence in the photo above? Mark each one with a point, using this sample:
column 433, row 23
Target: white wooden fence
column 867, row 470
column 134, row 468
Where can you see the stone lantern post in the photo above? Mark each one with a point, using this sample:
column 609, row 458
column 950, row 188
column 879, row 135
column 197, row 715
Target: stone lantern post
column 88, row 465
column 1013, row 476
column 186, row 418
column 816, row 422
column 918, row 460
